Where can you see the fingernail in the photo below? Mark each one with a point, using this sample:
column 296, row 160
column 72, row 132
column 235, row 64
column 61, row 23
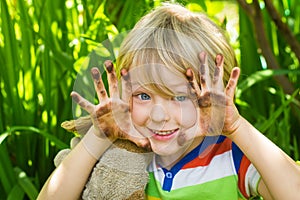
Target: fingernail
column 202, row 57
column 189, row 74
column 74, row 97
column 125, row 74
column 235, row 72
column 109, row 66
column 95, row 73
column 218, row 59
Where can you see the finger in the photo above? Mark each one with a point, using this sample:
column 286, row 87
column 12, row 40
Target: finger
column 193, row 82
column 142, row 142
column 112, row 79
column 232, row 83
column 219, row 73
column 204, row 72
column 126, row 85
column 138, row 139
column 98, row 83
column 82, row 102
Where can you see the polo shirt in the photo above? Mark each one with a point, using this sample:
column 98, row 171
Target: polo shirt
column 216, row 169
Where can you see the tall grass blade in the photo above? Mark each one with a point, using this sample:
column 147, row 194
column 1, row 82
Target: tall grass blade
column 26, row 184
column 26, row 129
column 7, row 176
column 17, row 193
column 259, row 76
column 268, row 123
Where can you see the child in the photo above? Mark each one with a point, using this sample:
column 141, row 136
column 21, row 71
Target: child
column 172, row 64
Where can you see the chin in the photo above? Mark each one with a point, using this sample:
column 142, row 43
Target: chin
column 162, row 150
column 167, row 149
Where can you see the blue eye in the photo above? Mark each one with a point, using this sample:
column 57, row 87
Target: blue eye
column 144, row 96
column 180, row 98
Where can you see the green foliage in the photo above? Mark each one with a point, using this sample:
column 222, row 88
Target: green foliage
column 261, row 99
column 48, row 47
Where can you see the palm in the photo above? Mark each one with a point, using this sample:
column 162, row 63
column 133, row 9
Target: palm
column 111, row 117
column 217, row 110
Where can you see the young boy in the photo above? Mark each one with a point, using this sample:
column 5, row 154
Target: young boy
column 174, row 65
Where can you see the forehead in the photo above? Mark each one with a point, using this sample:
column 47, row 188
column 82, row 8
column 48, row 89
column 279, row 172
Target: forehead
column 160, row 76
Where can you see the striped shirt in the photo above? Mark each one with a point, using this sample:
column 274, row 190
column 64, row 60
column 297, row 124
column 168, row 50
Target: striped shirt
column 216, row 169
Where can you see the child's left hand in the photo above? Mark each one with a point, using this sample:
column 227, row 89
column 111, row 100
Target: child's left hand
column 218, row 114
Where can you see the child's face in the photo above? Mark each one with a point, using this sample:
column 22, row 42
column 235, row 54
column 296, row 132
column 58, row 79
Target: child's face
column 165, row 120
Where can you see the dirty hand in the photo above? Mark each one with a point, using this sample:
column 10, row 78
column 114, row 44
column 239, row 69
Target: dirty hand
column 217, row 112
column 111, row 117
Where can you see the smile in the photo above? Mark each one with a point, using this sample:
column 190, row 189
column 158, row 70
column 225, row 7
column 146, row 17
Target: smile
column 164, row 132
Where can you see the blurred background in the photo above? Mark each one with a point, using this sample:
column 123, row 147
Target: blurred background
column 47, row 48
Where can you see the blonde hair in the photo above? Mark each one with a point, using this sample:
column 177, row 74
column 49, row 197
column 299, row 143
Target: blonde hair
column 173, row 36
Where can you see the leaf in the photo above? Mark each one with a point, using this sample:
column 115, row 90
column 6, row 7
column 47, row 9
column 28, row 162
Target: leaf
column 52, row 138
column 7, row 177
column 26, row 184
column 16, row 193
column 260, row 76
column 268, row 123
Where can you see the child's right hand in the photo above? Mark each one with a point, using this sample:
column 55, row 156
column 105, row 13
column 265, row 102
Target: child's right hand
column 111, row 117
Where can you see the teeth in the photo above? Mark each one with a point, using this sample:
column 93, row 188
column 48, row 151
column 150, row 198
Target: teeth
column 163, row 132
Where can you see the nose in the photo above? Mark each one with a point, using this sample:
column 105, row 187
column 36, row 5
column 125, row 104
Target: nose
column 159, row 113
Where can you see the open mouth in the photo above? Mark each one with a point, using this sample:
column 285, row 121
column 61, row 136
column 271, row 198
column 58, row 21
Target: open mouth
column 164, row 132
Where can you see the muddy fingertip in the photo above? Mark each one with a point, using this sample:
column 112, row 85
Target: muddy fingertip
column 219, row 59
column 109, row 65
column 74, row 96
column 202, row 57
column 235, row 72
column 95, row 73
column 124, row 74
column 189, row 74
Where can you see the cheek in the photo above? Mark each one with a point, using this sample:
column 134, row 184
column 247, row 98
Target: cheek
column 188, row 116
column 139, row 114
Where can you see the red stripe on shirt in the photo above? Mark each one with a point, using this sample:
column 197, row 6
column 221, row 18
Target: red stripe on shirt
column 207, row 155
column 242, row 175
